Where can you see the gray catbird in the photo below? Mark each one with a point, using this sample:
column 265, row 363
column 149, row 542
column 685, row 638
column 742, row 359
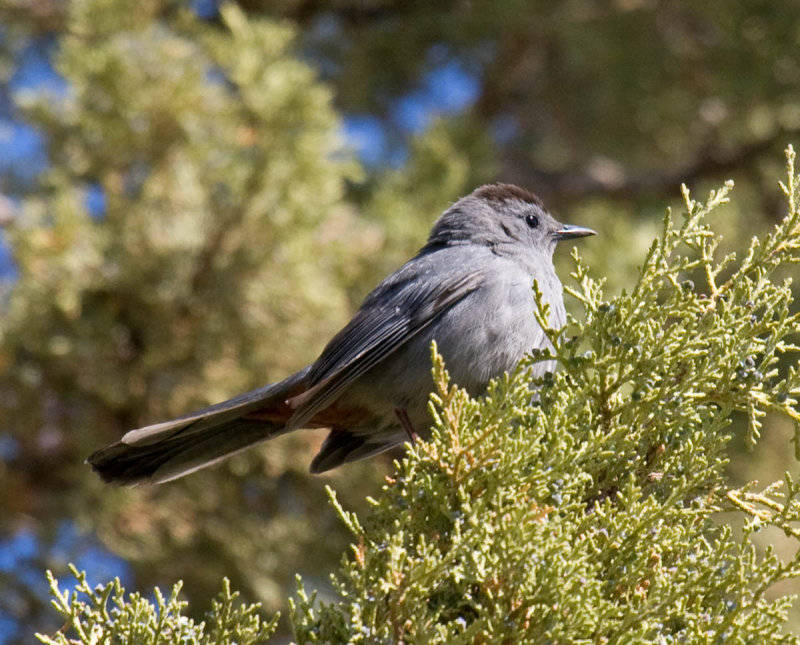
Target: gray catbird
column 469, row 288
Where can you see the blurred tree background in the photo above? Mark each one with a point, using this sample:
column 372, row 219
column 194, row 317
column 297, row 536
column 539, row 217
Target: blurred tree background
column 194, row 197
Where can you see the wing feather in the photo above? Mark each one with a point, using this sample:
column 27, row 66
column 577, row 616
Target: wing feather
column 376, row 331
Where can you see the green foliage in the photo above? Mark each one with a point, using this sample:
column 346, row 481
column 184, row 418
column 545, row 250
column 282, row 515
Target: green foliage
column 88, row 617
column 213, row 187
column 588, row 516
column 218, row 153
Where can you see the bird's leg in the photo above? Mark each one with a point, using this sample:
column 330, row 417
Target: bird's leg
column 402, row 415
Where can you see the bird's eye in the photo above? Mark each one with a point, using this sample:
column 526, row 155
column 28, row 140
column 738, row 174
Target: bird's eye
column 532, row 221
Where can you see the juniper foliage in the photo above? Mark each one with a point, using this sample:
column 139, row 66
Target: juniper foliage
column 591, row 514
column 134, row 619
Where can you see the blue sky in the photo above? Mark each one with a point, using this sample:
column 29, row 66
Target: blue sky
column 448, row 88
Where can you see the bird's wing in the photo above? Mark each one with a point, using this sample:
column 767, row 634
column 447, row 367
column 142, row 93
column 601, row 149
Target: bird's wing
column 401, row 307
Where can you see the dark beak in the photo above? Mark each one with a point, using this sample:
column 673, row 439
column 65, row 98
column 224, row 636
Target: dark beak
column 568, row 231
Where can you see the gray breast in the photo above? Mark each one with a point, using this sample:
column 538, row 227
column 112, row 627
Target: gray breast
column 480, row 337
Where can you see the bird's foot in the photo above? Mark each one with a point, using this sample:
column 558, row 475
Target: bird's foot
column 402, row 415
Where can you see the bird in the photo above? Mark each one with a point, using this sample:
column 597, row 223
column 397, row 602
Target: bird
column 469, row 289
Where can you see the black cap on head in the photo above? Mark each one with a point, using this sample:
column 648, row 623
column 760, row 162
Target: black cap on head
column 504, row 192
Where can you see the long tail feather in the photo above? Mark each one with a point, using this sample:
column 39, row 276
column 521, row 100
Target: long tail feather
column 168, row 450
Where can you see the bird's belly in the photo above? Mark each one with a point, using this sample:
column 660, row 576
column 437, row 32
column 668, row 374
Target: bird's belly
column 480, row 343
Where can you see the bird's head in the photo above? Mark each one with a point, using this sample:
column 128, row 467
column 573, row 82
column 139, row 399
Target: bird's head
column 508, row 219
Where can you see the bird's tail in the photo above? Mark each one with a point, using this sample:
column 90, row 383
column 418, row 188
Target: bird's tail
column 171, row 449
